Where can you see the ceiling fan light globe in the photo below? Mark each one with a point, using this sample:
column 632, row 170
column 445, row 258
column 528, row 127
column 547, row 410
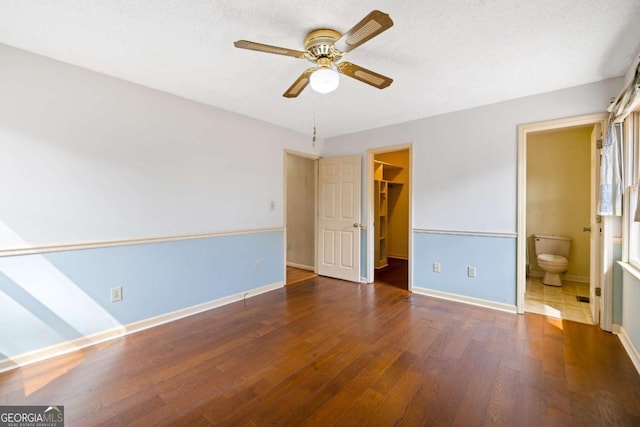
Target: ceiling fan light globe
column 324, row 80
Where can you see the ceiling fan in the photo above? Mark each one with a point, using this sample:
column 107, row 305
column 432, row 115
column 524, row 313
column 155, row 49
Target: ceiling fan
column 325, row 47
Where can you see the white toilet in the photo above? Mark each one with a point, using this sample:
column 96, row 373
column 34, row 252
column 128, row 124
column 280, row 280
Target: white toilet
column 552, row 255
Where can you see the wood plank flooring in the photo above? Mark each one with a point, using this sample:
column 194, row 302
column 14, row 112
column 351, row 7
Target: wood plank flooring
column 295, row 275
column 396, row 273
column 326, row 352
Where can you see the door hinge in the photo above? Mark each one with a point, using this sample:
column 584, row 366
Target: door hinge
column 599, row 144
column 598, row 291
column 599, row 219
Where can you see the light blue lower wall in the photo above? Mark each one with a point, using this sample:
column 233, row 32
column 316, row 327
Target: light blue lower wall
column 617, row 285
column 47, row 299
column 493, row 257
column 631, row 308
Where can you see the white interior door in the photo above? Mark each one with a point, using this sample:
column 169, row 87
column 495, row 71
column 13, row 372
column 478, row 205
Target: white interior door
column 595, row 273
column 339, row 217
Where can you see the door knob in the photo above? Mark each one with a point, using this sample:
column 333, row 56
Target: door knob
column 586, row 228
column 356, row 225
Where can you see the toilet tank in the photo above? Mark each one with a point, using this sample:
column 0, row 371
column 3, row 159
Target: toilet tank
column 553, row 245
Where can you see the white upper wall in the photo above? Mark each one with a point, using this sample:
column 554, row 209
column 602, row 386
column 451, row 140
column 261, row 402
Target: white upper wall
column 93, row 158
column 631, row 72
column 88, row 158
column 465, row 163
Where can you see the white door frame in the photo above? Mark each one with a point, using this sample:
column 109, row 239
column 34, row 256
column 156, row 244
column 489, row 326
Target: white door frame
column 595, row 235
column 315, row 206
column 368, row 187
column 605, row 255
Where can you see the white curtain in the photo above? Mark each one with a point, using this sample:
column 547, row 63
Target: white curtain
column 611, row 175
column 611, row 169
column 628, row 100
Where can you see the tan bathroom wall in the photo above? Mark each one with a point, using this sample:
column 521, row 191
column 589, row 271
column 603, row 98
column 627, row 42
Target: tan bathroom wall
column 398, row 227
column 300, row 206
column 558, row 193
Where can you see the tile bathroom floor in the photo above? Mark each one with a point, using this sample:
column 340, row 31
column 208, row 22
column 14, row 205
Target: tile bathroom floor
column 560, row 302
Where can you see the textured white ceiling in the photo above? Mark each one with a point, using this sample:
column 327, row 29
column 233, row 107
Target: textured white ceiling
column 444, row 55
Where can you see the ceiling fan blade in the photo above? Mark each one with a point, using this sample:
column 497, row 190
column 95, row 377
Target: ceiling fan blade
column 365, row 76
column 373, row 24
column 300, row 83
column 245, row 44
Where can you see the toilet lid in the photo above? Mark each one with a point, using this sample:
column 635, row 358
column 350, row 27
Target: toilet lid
column 554, row 259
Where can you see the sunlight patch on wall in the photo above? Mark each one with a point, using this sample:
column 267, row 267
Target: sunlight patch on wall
column 40, row 303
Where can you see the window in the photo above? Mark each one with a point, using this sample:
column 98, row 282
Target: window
column 634, row 227
column 632, row 152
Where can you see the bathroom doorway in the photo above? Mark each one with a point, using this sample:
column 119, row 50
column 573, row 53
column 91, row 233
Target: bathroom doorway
column 389, row 227
column 300, row 175
column 557, row 181
column 558, row 204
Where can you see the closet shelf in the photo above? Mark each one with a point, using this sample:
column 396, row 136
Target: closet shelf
column 385, row 176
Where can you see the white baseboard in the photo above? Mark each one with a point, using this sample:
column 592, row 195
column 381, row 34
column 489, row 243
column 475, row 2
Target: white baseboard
column 301, row 266
column 568, row 277
column 572, row 278
column 466, row 300
column 632, row 351
column 97, row 338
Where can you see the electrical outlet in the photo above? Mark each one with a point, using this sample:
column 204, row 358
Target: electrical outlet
column 436, row 267
column 256, row 265
column 116, row 294
column 471, row 272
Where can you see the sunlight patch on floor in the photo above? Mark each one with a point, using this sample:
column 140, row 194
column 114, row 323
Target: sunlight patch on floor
column 559, row 302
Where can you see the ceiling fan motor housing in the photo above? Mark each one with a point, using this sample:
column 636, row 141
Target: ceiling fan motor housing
column 319, row 44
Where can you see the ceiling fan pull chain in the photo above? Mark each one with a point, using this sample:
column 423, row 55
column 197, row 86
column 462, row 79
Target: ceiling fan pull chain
column 313, row 140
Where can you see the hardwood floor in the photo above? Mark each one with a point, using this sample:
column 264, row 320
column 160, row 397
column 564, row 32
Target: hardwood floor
column 295, row 275
column 396, row 273
column 327, row 352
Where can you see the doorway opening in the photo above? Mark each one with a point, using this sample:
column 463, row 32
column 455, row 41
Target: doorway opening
column 390, row 216
column 300, row 220
column 558, row 169
column 558, row 215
